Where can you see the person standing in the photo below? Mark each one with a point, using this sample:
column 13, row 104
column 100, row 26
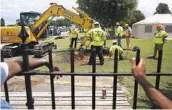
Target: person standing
column 74, row 36
column 159, row 40
column 98, row 39
column 119, row 33
column 128, row 32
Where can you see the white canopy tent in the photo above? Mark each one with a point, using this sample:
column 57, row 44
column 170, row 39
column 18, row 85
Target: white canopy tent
column 147, row 27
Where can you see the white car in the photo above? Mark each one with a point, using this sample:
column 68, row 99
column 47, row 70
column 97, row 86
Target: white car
column 64, row 34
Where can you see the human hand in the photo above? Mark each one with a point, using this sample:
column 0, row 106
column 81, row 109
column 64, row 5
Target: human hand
column 139, row 70
column 55, row 68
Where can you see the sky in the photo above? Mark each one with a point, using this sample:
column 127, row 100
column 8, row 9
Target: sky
column 10, row 9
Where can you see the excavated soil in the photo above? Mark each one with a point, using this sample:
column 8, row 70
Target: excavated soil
column 65, row 58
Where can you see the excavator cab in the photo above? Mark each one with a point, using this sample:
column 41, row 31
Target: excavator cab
column 30, row 17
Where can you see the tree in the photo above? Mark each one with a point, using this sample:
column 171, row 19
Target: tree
column 2, row 22
column 162, row 8
column 107, row 12
column 134, row 16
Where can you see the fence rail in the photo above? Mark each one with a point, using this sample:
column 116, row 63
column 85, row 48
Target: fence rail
column 72, row 73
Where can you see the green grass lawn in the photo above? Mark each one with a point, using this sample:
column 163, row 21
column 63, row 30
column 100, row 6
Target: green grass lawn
column 146, row 47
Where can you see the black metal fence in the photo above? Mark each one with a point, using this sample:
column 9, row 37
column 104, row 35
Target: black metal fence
column 72, row 73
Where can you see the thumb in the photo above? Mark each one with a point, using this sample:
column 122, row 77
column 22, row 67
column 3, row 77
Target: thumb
column 133, row 62
column 142, row 62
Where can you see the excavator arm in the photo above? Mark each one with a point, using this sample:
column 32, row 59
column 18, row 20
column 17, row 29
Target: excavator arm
column 57, row 10
column 54, row 10
column 43, row 29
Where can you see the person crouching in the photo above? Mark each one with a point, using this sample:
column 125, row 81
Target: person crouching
column 113, row 48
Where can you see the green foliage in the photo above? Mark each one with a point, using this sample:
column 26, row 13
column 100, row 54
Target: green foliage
column 133, row 17
column 2, row 22
column 107, row 12
column 61, row 22
column 162, row 8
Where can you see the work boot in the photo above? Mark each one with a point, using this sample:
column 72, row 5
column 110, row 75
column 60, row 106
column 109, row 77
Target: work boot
column 120, row 58
column 70, row 46
column 101, row 63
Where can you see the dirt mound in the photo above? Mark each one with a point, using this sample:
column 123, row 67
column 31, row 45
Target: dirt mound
column 80, row 60
column 65, row 57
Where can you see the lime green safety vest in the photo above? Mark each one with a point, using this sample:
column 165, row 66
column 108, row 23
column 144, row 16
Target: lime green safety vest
column 97, row 36
column 159, row 37
column 74, row 33
column 119, row 31
column 114, row 47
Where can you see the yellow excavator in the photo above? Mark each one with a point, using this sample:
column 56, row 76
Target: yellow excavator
column 35, row 25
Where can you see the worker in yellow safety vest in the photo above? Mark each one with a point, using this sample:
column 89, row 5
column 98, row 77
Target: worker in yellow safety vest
column 159, row 39
column 119, row 33
column 73, row 36
column 113, row 48
column 98, row 39
column 127, row 35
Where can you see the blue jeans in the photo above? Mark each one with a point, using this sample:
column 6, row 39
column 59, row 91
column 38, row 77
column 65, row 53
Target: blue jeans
column 119, row 41
column 5, row 105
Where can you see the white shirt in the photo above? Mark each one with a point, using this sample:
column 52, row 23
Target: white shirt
column 4, row 72
column 4, row 75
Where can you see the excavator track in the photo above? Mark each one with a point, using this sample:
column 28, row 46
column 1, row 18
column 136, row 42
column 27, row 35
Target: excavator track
column 11, row 50
column 38, row 50
column 42, row 48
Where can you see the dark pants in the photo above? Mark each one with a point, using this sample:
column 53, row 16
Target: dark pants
column 157, row 47
column 72, row 42
column 119, row 41
column 99, row 52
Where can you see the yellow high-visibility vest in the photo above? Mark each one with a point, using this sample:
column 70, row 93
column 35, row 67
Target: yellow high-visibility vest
column 119, row 31
column 114, row 47
column 159, row 37
column 97, row 36
column 74, row 33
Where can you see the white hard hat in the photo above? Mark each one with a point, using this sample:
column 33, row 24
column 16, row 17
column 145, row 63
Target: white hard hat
column 117, row 24
column 73, row 26
column 96, row 23
column 114, row 41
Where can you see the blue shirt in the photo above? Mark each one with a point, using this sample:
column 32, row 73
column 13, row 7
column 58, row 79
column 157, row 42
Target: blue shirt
column 4, row 75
